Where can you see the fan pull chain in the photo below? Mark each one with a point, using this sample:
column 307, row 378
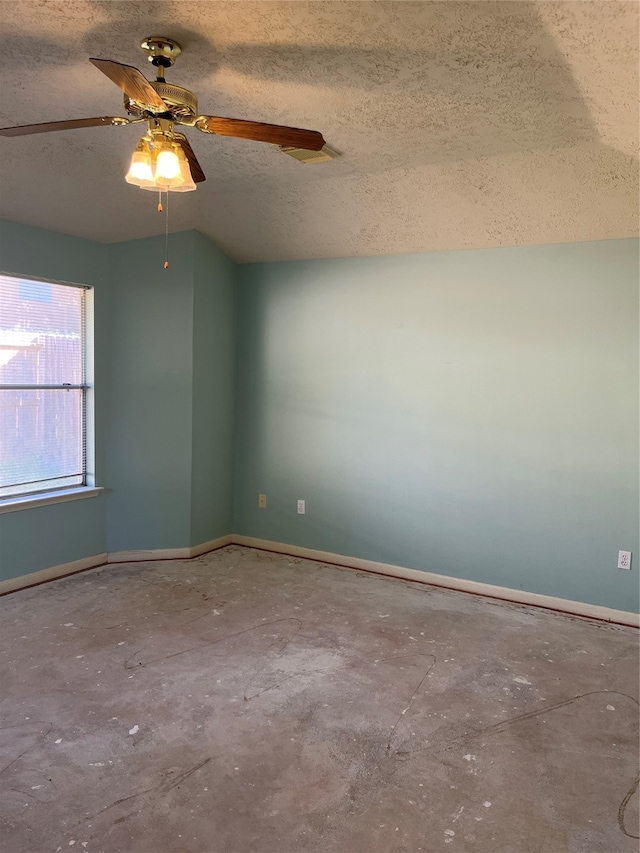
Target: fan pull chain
column 166, row 235
column 159, row 201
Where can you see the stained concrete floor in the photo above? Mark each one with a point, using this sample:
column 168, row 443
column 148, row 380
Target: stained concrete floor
column 246, row 702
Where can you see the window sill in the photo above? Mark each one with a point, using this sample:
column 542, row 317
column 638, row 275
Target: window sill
column 18, row 502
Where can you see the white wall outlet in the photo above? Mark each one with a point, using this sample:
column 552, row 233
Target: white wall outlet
column 302, row 507
column 262, row 501
column 624, row 559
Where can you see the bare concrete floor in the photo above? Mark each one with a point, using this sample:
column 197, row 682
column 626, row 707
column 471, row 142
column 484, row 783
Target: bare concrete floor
column 246, row 702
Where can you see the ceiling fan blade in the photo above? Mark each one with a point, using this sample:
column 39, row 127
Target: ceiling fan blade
column 132, row 82
column 196, row 169
column 277, row 134
column 73, row 124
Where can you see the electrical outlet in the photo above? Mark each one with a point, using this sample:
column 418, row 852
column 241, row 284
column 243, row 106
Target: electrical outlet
column 262, row 501
column 302, row 508
column 624, row 559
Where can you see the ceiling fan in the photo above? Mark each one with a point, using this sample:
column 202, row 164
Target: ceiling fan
column 163, row 159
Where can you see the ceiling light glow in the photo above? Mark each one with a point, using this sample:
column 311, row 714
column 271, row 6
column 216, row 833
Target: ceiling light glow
column 159, row 163
column 167, row 166
column 141, row 169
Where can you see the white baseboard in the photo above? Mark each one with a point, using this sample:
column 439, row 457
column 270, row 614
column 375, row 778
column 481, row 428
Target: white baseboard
column 52, row 573
column 564, row 605
column 170, row 553
column 578, row 608
column 60, row 571
column 211, row 545
column 142, row 556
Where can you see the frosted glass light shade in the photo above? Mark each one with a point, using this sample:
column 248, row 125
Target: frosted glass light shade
column 167, row 165
column 141, row 169
column 188, row 186
column 159, row 164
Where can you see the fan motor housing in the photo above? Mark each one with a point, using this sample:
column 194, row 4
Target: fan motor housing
column 183, row 104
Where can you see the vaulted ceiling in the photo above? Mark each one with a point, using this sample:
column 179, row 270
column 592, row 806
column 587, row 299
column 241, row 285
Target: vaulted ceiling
column 459, row 124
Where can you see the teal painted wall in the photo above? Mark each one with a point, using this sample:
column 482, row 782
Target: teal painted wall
column 35, row 539
column 213, row 392
column 172, row 368
column 150, row 364
column 469, row 413
column 164, row 424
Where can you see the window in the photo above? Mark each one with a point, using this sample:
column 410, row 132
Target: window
column 43, row 386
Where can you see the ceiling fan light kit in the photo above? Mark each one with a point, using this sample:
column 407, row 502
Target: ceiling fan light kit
column 159, row 161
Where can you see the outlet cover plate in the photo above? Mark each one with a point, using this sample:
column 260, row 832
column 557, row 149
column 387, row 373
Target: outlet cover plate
column 624, row 560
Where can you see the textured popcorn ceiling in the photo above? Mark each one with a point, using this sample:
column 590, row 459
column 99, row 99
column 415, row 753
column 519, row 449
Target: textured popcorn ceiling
column 460, row 124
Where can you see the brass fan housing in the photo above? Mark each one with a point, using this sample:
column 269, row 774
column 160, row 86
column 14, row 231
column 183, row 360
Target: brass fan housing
column 183, row 104
column 161, row 51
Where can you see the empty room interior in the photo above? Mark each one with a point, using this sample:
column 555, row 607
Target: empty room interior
column 319, row 427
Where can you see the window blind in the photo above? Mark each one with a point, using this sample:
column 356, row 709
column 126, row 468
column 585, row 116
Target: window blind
column 42, row 386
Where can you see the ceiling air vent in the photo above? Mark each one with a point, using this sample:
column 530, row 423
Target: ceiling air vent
column 305, row 156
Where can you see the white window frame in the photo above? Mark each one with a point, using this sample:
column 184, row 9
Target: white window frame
column 88, row 488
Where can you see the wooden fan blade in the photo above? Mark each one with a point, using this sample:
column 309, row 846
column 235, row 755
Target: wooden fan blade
column 275, row 133
column 196, row 169
column 132, row 82
column 73, row 124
